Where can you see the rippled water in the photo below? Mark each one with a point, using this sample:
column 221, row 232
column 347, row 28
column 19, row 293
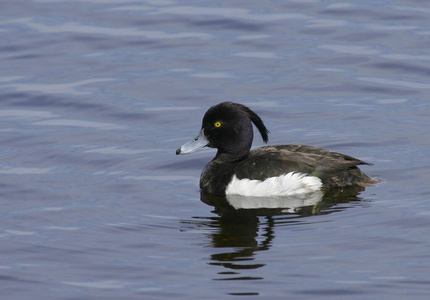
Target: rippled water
column 97, row 95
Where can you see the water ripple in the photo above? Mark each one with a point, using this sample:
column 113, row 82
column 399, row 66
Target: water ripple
column 212, row 75
column 25, row 171
column 73, row 27
column 80, row 123
column 26, row 114
column 257, row 54
column 115, row 150
column 351, row 49
column 103, row 284
column 233, row 12
column 71, row 88
column 395, row 82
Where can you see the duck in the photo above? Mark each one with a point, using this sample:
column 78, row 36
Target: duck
column 272, row 170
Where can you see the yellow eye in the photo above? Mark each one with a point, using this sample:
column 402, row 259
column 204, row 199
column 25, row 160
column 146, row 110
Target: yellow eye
column 217, row 124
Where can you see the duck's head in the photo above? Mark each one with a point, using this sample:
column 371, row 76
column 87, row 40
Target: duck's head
column 227, row 126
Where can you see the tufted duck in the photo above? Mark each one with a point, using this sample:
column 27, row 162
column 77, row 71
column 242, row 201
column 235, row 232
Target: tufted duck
column 281, row 170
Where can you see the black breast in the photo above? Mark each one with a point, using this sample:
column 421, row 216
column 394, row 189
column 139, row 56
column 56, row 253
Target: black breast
column 216, row 176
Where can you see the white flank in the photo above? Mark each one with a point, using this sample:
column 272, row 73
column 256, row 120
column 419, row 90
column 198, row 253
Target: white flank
column 284, row 185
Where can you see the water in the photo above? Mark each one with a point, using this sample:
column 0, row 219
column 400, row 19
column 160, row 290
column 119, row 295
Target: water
column 97, row 95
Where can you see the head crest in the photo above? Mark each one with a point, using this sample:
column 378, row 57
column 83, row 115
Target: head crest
column 258, row 123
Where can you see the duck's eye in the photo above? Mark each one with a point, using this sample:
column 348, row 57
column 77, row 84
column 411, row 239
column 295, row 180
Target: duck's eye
column 217, row 124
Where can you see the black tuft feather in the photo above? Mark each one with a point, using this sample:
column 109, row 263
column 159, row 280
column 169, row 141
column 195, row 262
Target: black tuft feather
column 258, row 123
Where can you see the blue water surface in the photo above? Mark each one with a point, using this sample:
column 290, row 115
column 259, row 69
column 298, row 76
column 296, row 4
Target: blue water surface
column 97, row 95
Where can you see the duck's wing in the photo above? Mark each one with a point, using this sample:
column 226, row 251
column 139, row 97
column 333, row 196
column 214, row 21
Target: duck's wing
column 338, row 158
column 334, row 169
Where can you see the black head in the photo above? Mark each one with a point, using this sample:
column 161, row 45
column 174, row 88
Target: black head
column 228, row 127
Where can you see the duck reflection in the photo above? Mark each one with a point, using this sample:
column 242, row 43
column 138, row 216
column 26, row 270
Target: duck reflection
column 247, row 225
column 299, row 205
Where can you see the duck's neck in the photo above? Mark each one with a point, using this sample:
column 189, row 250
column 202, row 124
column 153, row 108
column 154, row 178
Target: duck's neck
column 231, row 157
